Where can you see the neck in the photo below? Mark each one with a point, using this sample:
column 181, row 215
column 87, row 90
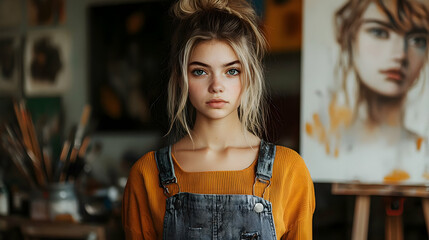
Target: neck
column 220, row 133
column 383, row 110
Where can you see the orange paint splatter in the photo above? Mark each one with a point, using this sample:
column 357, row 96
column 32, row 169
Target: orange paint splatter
column 322, row 135
column 397, row 175
column 339, row 115
column 308, row 129
column 319, row 129
column 316, row 118
column 327, row 149
column 419, row 143
column 336, row 153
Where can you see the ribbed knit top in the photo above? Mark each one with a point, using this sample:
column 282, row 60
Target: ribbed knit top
column 291, row 193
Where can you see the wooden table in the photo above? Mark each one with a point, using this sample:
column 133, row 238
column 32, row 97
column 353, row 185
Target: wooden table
column 32, row 229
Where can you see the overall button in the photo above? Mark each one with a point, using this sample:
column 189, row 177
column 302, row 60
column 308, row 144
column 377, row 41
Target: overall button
column 258, row 208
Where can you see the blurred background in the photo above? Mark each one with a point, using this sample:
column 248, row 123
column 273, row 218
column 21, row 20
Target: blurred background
column 82, row 97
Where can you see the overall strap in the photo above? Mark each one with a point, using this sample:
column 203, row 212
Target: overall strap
column 267, row 153
column 165, row 168
column 264, row 168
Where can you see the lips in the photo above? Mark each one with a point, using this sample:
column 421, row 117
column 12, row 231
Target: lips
column 216, row 103
column 394, row 74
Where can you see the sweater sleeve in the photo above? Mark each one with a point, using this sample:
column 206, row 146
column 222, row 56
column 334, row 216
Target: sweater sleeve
column 302, row 203
column 136, row 218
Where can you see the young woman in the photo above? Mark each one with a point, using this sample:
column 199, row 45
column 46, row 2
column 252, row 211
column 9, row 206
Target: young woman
column 220, row 180
column 383, row 54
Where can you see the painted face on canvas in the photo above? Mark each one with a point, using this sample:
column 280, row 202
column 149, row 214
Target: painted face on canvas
column 214, row 73
column 387, row 60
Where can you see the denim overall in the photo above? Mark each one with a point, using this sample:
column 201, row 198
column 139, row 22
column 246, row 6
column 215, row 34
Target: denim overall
column 212, row 216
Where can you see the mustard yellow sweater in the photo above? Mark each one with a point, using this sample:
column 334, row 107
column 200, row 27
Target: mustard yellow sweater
column 291, row 194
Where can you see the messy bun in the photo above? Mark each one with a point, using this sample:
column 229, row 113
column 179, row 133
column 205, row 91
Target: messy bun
column 234, row 22
column 184, row 9
column 242, row 9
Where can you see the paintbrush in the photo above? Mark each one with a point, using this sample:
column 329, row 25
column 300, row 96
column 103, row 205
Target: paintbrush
column 79, row 163
column 22, row 124
column 34, row 152
column 17, row 159
column 79, row 136
column 64, row 156
column 35, row 147
column 30, row 142
column 17, row 154
column 80, row 131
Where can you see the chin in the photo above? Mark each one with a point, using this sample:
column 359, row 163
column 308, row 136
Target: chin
column 392, row 94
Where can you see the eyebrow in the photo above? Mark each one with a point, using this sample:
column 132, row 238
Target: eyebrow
column 385, row 24
column 205, row 65
column 391, row 26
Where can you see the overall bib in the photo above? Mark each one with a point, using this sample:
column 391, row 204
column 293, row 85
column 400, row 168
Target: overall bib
column 213, row 216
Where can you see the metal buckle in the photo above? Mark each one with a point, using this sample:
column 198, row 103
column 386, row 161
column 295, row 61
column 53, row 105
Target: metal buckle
column 268, row 182
column 164, row 186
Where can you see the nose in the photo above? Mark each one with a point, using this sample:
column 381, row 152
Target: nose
column 399, row 50
column 216, row 85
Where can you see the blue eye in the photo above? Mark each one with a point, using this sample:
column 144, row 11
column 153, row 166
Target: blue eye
column 233, row 72
column 379, row 32
column 198, row 72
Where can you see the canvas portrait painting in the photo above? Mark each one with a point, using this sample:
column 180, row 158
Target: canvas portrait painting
column 365, row 91
column 47, row 62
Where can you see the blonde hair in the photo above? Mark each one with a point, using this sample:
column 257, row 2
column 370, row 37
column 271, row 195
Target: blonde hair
column 234, row 22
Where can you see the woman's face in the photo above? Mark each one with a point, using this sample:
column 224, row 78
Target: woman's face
column 214, row 73
column 387, row 60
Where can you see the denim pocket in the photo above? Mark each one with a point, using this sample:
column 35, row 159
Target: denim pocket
column 249, row 235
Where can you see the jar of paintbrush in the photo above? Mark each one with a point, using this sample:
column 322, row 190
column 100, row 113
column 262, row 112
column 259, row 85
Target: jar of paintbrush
column 63, row 203
column 52, row 183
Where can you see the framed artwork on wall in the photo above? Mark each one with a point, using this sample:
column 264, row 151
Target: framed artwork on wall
column 10, row 65
column 10, row 13
column 47, row 62
column 128, row 51
column 283, row 25
column 46, row 12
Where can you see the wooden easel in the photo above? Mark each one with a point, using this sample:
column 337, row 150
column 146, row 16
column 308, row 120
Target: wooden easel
column 363, row 193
